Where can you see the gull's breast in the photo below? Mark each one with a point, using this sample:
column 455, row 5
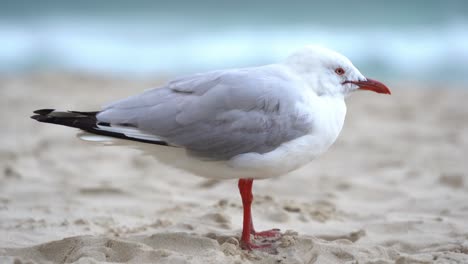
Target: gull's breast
column 327, row 114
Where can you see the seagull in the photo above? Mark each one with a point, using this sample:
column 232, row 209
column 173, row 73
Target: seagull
column 246, row 124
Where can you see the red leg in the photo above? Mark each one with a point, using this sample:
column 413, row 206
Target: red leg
column 245, row 188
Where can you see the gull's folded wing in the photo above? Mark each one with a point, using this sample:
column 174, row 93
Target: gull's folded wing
column 217, row 115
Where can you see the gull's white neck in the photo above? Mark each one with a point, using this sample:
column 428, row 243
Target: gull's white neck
column 327, row 114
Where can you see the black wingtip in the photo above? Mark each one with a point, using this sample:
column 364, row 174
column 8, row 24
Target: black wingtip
column 85, row 121
column 40, row 118
column 43, row 111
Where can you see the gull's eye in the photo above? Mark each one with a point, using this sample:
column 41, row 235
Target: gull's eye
column 339, row 71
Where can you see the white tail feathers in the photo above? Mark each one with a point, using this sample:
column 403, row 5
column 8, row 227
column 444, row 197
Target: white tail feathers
column 130, row 132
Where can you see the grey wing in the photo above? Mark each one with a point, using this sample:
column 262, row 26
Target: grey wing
column 217, row 115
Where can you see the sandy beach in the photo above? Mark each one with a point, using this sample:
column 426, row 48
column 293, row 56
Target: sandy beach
column 393, row 188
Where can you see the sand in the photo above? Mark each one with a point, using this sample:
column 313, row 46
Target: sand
column 393, row 189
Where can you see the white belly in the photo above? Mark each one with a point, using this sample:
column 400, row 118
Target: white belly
column 286, row 158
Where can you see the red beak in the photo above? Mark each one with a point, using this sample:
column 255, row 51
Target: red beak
column 371, row 85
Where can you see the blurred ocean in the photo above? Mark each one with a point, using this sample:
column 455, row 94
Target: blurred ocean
column 412, row 40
